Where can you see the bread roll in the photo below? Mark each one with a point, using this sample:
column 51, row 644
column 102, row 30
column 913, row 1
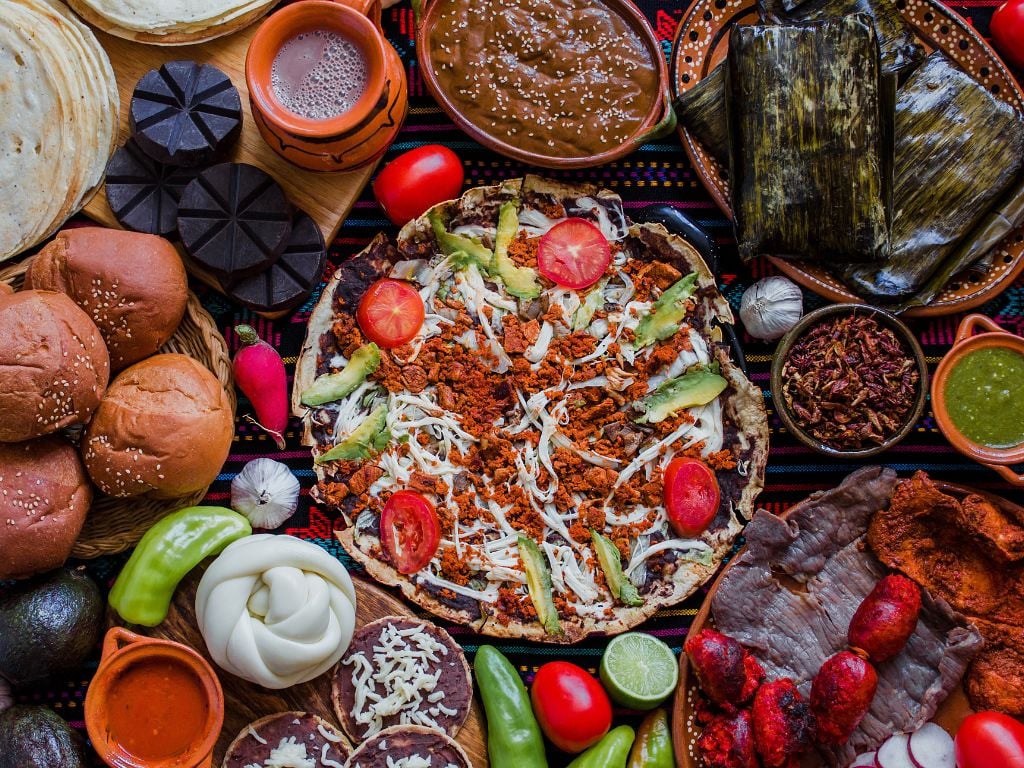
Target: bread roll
column 132, row 285
column 45, row 498
column 163, row 428
column 53, row 365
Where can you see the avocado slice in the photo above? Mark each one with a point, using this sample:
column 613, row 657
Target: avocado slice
column 465, row 250
column 622, row 589
column 538, row 579
column 696, row 387
column 334, row 386
column 667, row 313
column 370, row 437
column 521, row 282
column 585, row 312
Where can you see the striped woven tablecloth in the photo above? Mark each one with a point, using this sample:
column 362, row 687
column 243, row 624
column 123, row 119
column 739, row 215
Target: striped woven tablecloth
column 658, row 172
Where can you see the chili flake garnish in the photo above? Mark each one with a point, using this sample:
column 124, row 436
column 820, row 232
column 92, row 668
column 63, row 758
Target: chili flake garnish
column 849, row 382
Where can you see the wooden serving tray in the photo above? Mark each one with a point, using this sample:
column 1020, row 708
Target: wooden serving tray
column 245, row 702
column 702, row 41
column 950, row 714
column 326, row 197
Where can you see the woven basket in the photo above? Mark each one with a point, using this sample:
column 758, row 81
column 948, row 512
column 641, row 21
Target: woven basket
column 113, row 525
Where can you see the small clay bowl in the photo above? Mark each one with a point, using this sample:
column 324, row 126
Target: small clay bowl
column 887, row 319
column 968, row 341
column 660, row 120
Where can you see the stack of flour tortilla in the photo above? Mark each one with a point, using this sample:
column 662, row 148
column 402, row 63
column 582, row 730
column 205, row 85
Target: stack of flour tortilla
column 171, row 22
column 58, row 119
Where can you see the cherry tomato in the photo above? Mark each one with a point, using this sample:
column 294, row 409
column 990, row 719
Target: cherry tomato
column 691, row 496
column 574, row 253
column 409, row 531
column 390, row 313
column 571, row 706
column 1008, row 31
column 990, row 739
column 417, row 180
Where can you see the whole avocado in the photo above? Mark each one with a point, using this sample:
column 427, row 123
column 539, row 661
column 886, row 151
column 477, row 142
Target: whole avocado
column 49, row 624
column 37, row 737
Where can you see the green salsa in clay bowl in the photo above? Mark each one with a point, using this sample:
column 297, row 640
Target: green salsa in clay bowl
column 978, row 396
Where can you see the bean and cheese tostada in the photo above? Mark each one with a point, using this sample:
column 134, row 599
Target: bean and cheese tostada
column 507, row 465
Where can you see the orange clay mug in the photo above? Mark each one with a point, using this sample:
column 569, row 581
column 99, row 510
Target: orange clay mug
column 355, row 137
column 968, row 341
column 153, row 704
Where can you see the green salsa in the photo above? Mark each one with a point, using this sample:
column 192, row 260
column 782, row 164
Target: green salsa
column 985, row 397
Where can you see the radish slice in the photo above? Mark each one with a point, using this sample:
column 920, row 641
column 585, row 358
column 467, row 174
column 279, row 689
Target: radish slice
column 893, row 752
column 931, row 747
column 867, row 760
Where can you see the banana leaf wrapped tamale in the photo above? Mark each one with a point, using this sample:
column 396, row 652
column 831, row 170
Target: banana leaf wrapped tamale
column 701, row 108
column 958, row 151
column 900, row 49
column 810, row 159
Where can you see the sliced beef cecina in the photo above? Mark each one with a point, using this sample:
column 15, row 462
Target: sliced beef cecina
column 790, row 595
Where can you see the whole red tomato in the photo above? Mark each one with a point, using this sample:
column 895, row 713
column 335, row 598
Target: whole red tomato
column 1008, row 31
column 416, row 180
column 571, row 706
column 990, row 739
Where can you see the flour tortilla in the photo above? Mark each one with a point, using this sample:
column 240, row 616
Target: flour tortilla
column 58, row 119
column 742, row 404
column 171, row 22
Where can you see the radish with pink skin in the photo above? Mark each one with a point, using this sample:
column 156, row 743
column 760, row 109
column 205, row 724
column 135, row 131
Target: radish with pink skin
column 866, row 760
column 259, row 373
column 931, row 747
column 893, row 752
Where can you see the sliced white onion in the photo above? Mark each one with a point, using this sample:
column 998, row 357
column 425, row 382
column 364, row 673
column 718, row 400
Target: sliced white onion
column 893, row 752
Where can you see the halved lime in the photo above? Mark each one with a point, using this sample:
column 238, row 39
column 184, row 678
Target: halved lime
column 639, row 671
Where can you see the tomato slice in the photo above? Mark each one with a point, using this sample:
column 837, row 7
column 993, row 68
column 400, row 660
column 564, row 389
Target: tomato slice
column 390, row 313
column 691, row 496
column 409, row 531
column 574, row 254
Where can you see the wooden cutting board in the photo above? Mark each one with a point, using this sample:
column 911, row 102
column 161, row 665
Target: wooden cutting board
column 245, row 702
column 326, row 197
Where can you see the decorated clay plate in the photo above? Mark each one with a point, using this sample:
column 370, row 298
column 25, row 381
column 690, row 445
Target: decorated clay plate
column 701, row 43
column 684, row 730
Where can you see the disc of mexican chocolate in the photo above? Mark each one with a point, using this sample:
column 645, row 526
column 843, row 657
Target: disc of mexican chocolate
column 234, row 220
column 144, row 194
column 185, row 113
column 292, row 278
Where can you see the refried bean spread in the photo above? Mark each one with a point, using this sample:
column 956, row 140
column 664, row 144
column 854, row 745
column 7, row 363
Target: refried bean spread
column 555, row 77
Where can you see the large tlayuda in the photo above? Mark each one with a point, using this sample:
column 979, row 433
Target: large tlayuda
column 563, row 446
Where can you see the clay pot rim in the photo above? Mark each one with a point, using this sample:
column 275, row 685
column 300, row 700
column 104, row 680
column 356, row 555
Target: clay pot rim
column 964, row 345
column 659, row 112
column 302, row 16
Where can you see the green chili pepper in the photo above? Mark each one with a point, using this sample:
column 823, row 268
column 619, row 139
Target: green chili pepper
column 653, row 745
column 169, row 550
column 609, row 752
column 513, row 736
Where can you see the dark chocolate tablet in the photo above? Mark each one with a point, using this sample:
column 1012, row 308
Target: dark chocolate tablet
column 234, row 220
column 144, row 194
column 292, row 278
column 185, row 113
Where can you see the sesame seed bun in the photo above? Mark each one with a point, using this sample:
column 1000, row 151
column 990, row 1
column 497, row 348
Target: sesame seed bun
column 44, row 496
column 164, row 428
column 53, row 365
column 131, row 284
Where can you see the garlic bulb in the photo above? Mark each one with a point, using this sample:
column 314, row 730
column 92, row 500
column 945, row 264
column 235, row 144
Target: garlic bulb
column 770, row 307
column 266, row 492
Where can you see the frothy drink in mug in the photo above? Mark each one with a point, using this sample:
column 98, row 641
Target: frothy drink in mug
column 319, row 74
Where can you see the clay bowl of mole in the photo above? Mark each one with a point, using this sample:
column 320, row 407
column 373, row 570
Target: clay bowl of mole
column 780, row 379
column 520, row 39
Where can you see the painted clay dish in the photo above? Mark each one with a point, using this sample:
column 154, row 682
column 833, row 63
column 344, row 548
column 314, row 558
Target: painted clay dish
column 701, row 43
column 950, row 715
